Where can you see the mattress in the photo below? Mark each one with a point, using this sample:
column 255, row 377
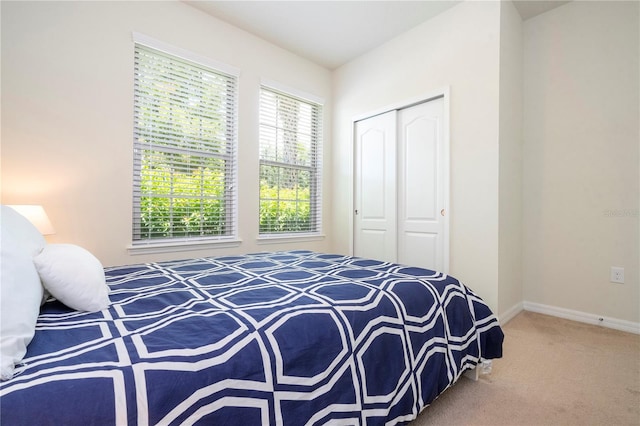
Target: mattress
column 284, row 338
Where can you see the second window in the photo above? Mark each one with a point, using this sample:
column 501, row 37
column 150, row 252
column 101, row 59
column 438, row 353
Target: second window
column 290, row 138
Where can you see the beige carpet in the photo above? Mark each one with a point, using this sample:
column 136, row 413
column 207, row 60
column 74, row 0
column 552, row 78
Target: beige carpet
column 553, row 372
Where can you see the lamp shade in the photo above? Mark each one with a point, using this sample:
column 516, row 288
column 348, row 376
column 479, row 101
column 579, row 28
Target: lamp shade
column 37, row 216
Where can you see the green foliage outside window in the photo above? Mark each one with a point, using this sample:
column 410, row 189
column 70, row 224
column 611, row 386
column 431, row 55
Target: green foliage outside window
column 284, row 209
column 178, row 208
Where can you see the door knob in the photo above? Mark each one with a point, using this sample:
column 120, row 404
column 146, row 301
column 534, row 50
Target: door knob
column 442, row 212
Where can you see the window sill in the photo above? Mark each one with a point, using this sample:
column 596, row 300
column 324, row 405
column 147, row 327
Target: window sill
column 288, row 238
column 184, row 245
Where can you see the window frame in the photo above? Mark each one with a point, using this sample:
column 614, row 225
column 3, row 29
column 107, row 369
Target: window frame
column 182, row 243
column 316, row 204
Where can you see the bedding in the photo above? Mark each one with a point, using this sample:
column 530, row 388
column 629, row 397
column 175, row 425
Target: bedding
column 288, row 338
column 21, row 292
column 74, row 276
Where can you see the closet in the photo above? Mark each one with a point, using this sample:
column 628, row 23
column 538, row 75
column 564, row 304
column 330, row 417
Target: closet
column 401, row 186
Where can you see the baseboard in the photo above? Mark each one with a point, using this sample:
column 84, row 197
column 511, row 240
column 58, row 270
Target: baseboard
column 617, row 324
column 507, row 316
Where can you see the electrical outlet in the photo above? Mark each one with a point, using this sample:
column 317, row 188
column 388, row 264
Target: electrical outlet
column 617, row 275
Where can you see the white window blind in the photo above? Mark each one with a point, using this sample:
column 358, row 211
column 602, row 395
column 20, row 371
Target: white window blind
column 290, row 164
column 184, row 149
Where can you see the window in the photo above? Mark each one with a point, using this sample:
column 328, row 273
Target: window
column 184, row 150
column 290, row 138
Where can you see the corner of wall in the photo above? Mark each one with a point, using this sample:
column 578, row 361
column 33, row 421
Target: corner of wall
column 510, row 158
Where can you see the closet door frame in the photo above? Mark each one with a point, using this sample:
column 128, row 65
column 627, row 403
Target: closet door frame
column 407, row 103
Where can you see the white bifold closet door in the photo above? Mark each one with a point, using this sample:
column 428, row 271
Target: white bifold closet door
column 376, row 188
column 400, row 184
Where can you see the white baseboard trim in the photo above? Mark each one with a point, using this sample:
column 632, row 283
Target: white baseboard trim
column 507, row 316
column 617, row 324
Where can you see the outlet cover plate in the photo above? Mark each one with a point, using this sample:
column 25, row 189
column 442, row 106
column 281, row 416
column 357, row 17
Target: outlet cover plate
column 617, row 275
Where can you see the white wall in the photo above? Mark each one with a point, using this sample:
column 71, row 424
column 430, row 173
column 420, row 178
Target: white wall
column 460, row 49
column 581, row 164
column 510, row 186
column 67, row 113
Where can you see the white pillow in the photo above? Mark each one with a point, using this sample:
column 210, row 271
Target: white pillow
column 73, row 276
column 20, row 288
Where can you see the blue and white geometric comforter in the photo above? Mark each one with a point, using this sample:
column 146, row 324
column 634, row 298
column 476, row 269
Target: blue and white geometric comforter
column 288, row 338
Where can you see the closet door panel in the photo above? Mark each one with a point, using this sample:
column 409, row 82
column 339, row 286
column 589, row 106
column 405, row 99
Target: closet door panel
column 420, row 169
column 375, row 215
column 419, row 246
column 374, row 183
column 420, row 186
column 372, row 243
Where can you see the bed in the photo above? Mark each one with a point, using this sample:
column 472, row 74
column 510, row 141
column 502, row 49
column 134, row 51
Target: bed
column 283, row 338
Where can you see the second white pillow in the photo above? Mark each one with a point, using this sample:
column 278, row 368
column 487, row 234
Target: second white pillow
column 74, row 276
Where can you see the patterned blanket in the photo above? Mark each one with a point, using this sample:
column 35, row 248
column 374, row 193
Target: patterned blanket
column 287, row 338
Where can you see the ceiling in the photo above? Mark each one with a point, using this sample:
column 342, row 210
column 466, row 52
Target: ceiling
column 331, row 33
